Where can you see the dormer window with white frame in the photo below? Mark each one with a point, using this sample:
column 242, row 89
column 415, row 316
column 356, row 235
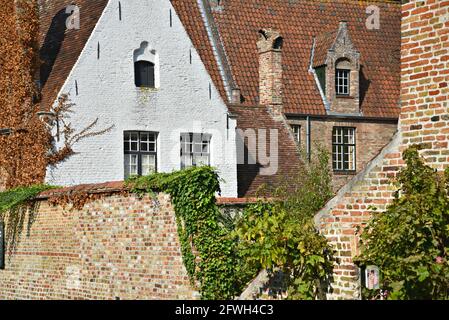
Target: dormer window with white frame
column 336, row 64
column 342, row 81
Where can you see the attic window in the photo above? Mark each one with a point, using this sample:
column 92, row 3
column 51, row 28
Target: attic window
column 146, row 67
column 144, row 74
column 342, row 82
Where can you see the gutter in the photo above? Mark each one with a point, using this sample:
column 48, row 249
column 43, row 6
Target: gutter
column 342, row 117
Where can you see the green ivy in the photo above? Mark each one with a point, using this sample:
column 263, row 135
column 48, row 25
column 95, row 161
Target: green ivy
column 14, row 206
column 14, row 198
column 410, row 241
column 193, row 194
column 280, row 234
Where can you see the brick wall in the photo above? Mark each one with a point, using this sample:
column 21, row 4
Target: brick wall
column 270, row 67
column 424, row 120
column 371, row 138
column 115, row 248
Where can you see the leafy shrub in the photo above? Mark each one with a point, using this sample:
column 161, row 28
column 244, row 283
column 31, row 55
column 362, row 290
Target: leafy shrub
column 410, row 241
column 279, row 234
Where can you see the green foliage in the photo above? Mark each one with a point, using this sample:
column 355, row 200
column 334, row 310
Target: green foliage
column 410, row 241
column 14, row 205
column 193, row 193
column 280, row 234
column 13, row 198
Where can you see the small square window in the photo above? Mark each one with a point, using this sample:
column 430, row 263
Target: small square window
column 195, row 150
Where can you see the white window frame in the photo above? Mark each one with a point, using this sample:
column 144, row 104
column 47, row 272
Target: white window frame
column 344, row 149
column 140, row 148
column 296, row 129
column 342, row 82
column 195, row 146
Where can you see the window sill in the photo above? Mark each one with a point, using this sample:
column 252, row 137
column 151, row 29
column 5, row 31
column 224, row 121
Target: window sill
column 345, row 173
column 344, row 97
column 146, row 89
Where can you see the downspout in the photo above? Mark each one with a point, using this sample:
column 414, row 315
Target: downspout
column 308, row 138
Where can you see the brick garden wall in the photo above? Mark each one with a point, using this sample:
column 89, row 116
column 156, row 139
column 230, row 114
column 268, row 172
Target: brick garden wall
column 424, row 120
column 117, row 247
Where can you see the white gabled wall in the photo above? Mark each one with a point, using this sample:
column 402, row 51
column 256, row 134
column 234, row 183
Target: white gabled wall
column 106, row 90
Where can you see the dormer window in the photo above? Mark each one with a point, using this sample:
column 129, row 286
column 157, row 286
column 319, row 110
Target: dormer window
column 336, row 66
column 342, row 81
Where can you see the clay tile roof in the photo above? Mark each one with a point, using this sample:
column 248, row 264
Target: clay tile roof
column 299, row 21
column 323, row 43
column 60, row 48
column 192, row 20
column 248, row 175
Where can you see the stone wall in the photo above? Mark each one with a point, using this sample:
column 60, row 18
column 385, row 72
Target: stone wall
column 117, row 247
column 424, row 120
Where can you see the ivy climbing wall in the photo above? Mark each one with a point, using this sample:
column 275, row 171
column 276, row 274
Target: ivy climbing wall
column 424, row 121
column 116, row 247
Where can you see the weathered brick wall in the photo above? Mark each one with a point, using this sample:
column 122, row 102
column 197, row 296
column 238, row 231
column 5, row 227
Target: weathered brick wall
column 424, row 120
column 424, row 79
column 115, row 248
column 371, row 138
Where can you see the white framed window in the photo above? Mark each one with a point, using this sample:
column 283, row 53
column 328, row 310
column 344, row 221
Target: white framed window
column 140, row 153
column 344, row 149
column 296, row 132
column 342, row 82
column 195, row 149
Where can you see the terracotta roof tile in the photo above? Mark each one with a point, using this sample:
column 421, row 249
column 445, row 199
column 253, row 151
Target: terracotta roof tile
column 192, row 20
column 298, row 22
column 323, row 43
column 248, row 176
column 60, row 48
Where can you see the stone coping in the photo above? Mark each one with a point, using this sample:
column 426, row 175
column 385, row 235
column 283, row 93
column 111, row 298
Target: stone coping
column 119, row 186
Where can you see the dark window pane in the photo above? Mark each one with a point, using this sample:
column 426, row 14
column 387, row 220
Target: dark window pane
column 144, row 74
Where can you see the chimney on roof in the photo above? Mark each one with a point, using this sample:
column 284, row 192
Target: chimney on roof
column 270, row 68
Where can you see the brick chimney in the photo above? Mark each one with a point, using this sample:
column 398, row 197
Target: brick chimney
column 270, row 68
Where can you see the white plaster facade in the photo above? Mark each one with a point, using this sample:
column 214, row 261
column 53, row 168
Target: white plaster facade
column 185, row 100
